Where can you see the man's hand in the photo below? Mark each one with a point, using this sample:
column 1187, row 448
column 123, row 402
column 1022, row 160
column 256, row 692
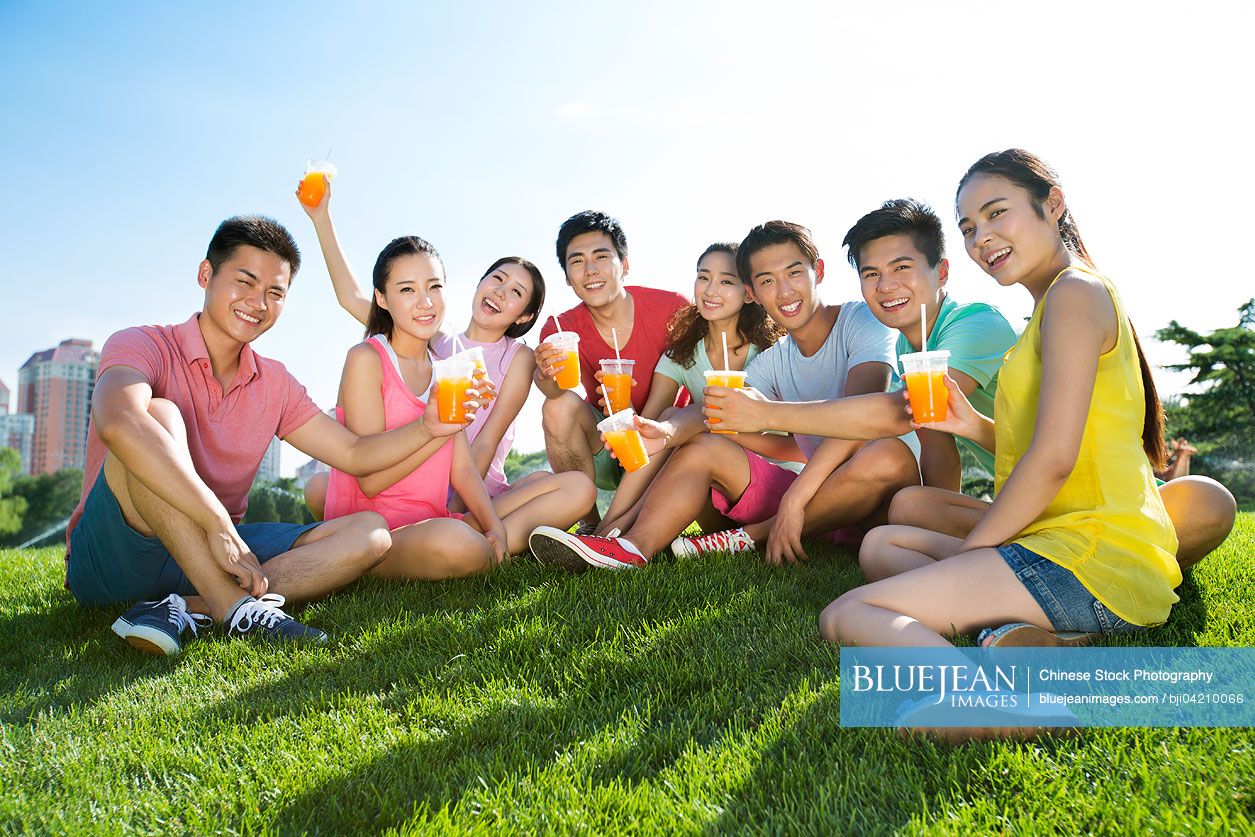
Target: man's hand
column 235, row 558
column 735, row 410
column 549, row 361
column 784, row 542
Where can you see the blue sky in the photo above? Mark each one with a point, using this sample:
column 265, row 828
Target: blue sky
column 130, row 130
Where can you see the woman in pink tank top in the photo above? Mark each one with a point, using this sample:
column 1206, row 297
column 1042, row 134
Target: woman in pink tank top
column 386, row 379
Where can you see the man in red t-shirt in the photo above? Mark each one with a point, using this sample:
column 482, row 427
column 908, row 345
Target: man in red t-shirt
column 592, row 250
column 181, row 417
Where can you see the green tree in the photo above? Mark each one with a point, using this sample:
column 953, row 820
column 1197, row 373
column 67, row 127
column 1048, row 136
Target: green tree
column 1218, row 417
column 277, row 501
column 12, row 508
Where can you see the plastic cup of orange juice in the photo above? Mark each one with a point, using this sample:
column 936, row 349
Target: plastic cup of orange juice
column 616, row 377
column 314, row 183
column 925, row 374
column 730, row 378
column 476, row 355
column 569, row 342
column 453, row 378
column 625, row 440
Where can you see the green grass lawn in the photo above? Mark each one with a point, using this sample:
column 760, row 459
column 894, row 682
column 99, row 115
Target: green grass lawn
column 689, row 697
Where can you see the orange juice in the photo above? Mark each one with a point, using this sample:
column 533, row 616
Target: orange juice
column 927, row 391
column 619, row 388
column 313, row 187
column 629, row 448
column 730, row 378
column 569, row 376
column 451, row 398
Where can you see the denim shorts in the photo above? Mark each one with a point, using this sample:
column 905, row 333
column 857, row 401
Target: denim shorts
column 1068, row 605
column 110, row 563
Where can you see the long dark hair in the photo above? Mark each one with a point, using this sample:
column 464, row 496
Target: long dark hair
column 538, row 293
column 379, row 321
column 687, row 328
column 1031, row 173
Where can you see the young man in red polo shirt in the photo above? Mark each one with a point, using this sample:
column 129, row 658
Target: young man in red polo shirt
column 181, row 417
column 593, row 252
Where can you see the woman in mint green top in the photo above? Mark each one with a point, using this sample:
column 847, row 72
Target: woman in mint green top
column 722, row 305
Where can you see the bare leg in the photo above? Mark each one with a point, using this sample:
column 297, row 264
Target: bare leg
column 959, row 595
column 893, row 550
column 682, row 490
column 937, row 509
column 571, row 437
column 857, row 492
column 316, row 494
column 1202, row 511
column 556, row 500
column 343, row 553
column 435, row 550
column 628, row 498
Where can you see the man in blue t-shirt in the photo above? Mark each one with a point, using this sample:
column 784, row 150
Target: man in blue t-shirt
column 830, row 352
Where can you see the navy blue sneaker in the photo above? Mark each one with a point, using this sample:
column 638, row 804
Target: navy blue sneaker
column 262, row 618
column 155, row 627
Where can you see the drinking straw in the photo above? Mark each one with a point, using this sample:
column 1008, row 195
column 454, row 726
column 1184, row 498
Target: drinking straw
column 457, row 344
column 606, row 395
column 557, row 326
column 923, row 327
column 724, row 335
column 614, row 335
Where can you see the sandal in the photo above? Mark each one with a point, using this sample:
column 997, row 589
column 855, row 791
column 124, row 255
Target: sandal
column 1024, row 635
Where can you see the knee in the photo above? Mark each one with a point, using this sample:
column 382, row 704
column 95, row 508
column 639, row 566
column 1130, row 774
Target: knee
column 890, row 463
column 460, row 554
column 315, row 493
column 835, row 617
column 376, row 538
column 871, row 553
column 558, row 415
column 577, row 488
column 1202, row 512
column 167, row 414
column 903, row 506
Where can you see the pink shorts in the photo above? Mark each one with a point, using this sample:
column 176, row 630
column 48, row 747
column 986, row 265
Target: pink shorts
column 761, row 498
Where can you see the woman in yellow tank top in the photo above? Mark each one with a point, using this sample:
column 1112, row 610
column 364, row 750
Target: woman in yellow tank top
column 1077, row 539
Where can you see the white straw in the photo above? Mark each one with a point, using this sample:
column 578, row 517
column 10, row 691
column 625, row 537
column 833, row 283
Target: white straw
column 724, row 335
column 556, row 325
column 606, row 395
column 614, row 335
column 457, row 344
column 923, row 327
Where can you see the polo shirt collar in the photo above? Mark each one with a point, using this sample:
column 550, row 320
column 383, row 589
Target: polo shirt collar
column 192, row 346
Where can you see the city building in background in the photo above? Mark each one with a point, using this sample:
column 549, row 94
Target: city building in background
column 269, row 469
column 55, row 387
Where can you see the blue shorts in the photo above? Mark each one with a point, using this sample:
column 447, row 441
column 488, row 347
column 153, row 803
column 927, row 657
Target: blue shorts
column 109, row 562
column 1068, row 605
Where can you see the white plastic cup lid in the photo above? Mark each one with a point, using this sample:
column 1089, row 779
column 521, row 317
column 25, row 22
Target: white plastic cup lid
column 622, row 420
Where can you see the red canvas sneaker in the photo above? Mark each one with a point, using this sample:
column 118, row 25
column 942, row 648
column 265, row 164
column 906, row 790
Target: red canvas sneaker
column 554, row 546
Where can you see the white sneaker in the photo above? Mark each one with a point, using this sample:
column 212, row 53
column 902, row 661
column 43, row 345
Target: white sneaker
column 732, row 541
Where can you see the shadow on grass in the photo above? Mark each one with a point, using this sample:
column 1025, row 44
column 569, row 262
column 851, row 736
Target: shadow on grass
column 530, row 678
column 64, row 657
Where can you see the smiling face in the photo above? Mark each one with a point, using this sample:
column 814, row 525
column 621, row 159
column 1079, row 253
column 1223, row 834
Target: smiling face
column 784, row 282
column 896, row 280
column 593, row 268
column 1006, row 232
column 245, row 295
column 502, row 297
column 414, row 296
column 718, row 292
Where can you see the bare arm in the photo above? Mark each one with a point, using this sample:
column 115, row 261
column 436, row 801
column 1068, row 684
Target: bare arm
column 348, row 291
column 1078, row 325
column 146, row 449
column 662, row 393
column 366, row 455
column 510, row 400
